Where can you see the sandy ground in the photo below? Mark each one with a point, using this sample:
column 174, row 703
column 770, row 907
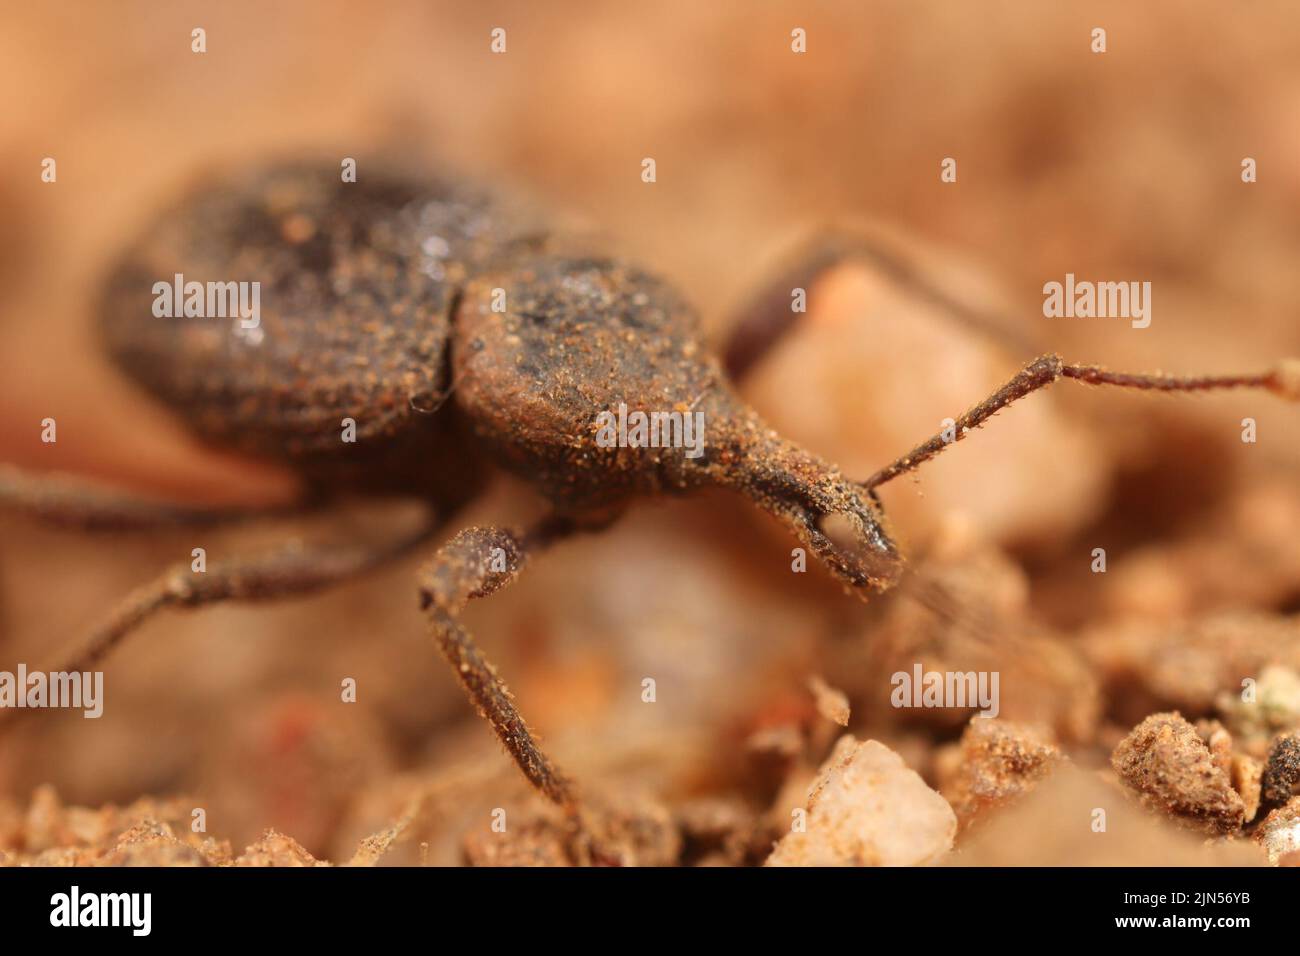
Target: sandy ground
column 1124, row 165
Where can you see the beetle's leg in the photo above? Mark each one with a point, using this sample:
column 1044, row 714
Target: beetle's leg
column 1283, row 380
column 290, row 570
column 769, row 314
column 68, row 502
column 476, row 563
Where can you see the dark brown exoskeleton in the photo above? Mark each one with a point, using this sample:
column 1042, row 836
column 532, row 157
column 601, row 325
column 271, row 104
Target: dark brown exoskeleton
column 457, row 336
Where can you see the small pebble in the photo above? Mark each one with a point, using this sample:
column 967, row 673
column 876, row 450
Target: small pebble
column 867, row 808
column 1279, row 834
column 1281, row 780
column 1165, row 761
column 1000, row 760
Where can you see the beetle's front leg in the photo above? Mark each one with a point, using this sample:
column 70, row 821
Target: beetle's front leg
column 473, row 564
column 770, row 312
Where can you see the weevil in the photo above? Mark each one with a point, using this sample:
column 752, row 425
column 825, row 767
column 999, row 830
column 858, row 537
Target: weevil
column 458, row 335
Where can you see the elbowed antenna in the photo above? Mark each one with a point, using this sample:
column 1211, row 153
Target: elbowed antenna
column 1283, row 380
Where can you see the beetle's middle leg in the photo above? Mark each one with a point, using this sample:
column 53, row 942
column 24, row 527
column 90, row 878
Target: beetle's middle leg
column 768, row 314
column 72, row 503
column 291, row 570
column 475, row 563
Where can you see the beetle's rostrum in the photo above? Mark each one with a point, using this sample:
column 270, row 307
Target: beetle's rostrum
column 458, row 334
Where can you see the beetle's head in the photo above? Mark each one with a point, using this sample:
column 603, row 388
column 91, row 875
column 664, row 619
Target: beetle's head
column 590, row 378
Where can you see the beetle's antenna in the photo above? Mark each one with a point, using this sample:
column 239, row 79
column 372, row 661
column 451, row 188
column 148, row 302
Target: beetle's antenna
column 1283, row 380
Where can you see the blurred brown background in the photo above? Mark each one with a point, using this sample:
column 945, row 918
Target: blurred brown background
column 1122, row 166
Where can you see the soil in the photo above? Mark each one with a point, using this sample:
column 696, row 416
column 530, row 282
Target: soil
column 714, row 704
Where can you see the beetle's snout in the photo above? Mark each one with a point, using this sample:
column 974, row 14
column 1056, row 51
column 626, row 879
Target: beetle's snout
column 835, row 518
column 844, row 529
column 856, row 547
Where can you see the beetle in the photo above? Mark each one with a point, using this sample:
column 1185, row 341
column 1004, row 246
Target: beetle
column 458, row 334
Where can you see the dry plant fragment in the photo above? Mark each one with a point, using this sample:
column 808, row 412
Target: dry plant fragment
column 868, row 809
column 1246, row 780
column 831, row 703
column 1169, row 766
column 1000, row 761
column 372, row 849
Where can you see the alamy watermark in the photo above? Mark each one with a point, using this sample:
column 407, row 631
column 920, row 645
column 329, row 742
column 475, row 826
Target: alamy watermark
column 956, row 689
column 63, row 690
column 133, row 911
column 680, row 428
column 1103, row 300
column 208, row 300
